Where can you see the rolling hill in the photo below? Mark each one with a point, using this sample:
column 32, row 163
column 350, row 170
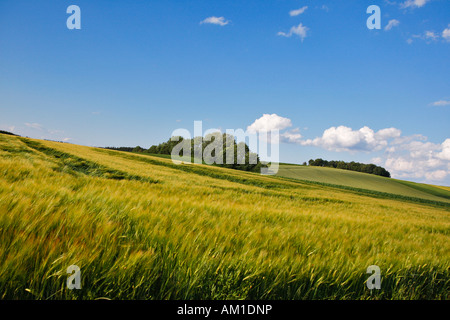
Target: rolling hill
column 364, row 181
column 142, row 227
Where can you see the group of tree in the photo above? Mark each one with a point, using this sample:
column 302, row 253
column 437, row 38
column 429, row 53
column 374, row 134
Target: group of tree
column 127, row 149
column 353, row 166
column 230, row 154
column 8, row 133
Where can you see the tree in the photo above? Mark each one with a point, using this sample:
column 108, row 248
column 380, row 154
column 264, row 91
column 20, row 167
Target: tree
column 354, row 166
column 138, row 149
column 233, row 155
column 153, row 149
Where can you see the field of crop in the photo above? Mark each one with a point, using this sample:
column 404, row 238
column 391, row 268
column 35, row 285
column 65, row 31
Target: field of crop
column 364, row 181
column 141, row 227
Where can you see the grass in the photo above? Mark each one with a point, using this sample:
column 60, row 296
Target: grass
column 365, row 181
column 166, row 231
column 436, row 191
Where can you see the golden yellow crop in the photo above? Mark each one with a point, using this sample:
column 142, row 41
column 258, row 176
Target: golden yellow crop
column 142, row 227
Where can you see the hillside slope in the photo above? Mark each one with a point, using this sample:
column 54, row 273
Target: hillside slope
column 364, row 181
column 141, row 227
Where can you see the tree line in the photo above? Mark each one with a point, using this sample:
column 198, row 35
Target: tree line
column 243, row 158
column 353, row 166
column 8, row 133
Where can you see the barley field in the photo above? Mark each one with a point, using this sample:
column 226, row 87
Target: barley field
column 141, row 227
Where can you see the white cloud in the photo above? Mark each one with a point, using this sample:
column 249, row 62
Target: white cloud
column 399, row 164
column 415, row 158
column 291, row 136
column 34, row 125
column 445, row 153
column 437, row 175
column 391, row 3
column 299, row 30
column 405, row 157
column 221, row 21
column 446, row 33
column 392, row 23
column 441, row 103
column 269, row 122
column 294, row 13
column 388, row 133
column 7, row 128
column 413, row 3
column 269, row 126
column 377, row 160
column 431, row 35
column 343, row 138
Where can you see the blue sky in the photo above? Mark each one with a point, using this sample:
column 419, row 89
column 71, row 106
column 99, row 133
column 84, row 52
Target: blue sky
column 137, row 70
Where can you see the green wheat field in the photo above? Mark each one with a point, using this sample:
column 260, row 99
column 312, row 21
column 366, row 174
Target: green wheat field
column 141, row 227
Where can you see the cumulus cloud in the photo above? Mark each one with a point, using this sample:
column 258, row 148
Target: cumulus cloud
column 221, row 21
column 388, row 133
column 268, row 128
column 343, row 138
column 405, row 157
column 445, row 153
column 410, row 157
column 415, row 158
column 269, row 122
column 291, row 136
column 294, row 13
column 413, row 3
column 300, row 31
column 437, row 175
column 392, row 23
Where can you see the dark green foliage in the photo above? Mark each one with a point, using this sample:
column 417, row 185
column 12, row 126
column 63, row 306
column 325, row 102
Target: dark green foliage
column 127, row 149
column 240, row 161
column 353, row 166
column 165, row 147
column 138, row 149
column 8, row 133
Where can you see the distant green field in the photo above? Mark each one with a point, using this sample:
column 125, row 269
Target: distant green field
column 364, row 181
